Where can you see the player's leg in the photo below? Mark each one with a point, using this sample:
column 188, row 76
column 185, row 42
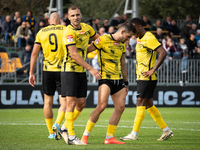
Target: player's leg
column 103, row 94
column 142, row 91
column 62, row 108
column 48, row 114
column 79, row 107
column 155, row 114
column 60, row 117
column 119, row 99
column 49, row 87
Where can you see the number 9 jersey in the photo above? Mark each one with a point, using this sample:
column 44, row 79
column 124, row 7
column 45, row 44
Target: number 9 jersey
column 50, row 39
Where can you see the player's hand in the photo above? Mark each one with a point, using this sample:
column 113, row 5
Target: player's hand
column 148, row 73
column 126, row 87
column 95, row 73
column 32, row 80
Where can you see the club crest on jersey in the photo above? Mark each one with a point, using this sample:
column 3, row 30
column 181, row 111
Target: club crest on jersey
column 117, row 43
column 69, row 38
column 82, row 32
column 97, row 40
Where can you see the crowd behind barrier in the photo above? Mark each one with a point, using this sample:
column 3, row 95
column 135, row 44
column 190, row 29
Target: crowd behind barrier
column 179, row 37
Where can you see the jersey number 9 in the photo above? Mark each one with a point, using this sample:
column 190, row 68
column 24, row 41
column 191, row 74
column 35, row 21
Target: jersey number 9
column 53, row 41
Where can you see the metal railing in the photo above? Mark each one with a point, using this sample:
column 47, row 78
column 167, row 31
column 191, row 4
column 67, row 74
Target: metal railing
column 169, row 73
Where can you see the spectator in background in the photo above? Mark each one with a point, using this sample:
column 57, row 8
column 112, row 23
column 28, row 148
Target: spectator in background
column 182, row 47
column 96, row 25
column 123, row 19
column 133, row 42
column 197, row 36
column 1, row 22
column 129, row 51
column 170, row 49
column 197, row 54
column 191, row 44
column 156, row 25
column 45, row 19
column 102, row 31
column 167, row 23
column 22, row 35
column 159, row 36
column 145, row 21
column 115, row 22
column 184, row 69
column 38, row 26
column 186, row 26
column 194, row 29
column 16, row 25
column 173, row 28
column 7, row 28
column 14, row 19
column 66, row 20
column 106, row 25
column 111, row 30
column 30, row 20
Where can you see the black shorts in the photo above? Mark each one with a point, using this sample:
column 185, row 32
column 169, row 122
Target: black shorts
column 145, row 89
column 74, row 84
column 51, row 82
column 114, row 85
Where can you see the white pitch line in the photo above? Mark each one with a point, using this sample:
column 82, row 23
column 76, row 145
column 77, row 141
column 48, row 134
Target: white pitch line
column 102, row 126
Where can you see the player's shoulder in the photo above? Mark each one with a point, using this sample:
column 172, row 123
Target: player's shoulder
column 148, row 33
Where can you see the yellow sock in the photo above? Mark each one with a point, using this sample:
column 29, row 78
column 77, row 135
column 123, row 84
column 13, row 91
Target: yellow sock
column 140, row 113
column 69, row 123
column 111, row 130
column 60, row 117
column 155, row 114
column 49, row 123
column 89, row 126
column 76, row 113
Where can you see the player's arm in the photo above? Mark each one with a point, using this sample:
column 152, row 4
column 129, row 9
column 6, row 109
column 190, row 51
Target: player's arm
column 91, row 48
column 124, row 71
column 162, row 54
column 33, row 61
column 96, row 36
column 73, row 52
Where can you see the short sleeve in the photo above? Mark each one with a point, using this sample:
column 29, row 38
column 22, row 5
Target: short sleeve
column 152, row 43
column 92, row 32
column 69, row 37
column 98, row 43
column 37, row 40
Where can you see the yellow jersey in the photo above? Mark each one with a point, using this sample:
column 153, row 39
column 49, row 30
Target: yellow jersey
column 109, row 55
column 80, row 38
column 146, row 55
column 50, row 38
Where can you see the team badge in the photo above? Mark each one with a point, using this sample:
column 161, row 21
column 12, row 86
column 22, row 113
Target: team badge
column 69, row 38
column 82, row 32
column 117, row 43
column 97, row 40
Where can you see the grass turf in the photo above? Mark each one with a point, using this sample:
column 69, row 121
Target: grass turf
column 26, row 129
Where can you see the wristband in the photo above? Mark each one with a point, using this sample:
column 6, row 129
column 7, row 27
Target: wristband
column 126, row 82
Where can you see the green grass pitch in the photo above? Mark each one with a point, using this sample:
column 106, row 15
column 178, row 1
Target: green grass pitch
column 26, row 129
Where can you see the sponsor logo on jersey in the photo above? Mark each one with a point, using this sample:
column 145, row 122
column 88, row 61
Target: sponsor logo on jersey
column 139, row 42
column 82, row 32
column 117, row 43
column 97, row 40
column 69, row 38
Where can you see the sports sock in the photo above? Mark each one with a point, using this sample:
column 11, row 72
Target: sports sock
column 60, row 117
column 69, row 123
column 140, row 113
column 111, row 131
column 76, row 113
column 88, row 128
column 155, row 114
column 49, row 123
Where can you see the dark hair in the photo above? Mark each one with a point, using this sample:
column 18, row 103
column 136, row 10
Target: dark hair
column 129, row 27
column 73, row 7
column 136, row 21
